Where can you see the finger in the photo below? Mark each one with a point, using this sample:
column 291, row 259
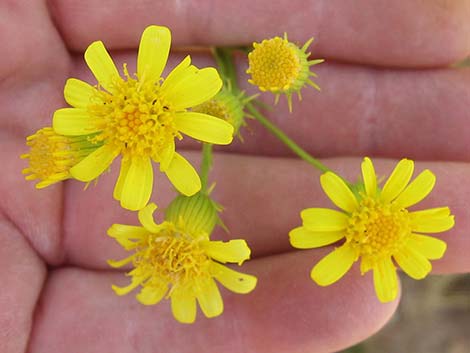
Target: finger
column 262, row 199
column 286, row 312
column 36, row 213
column 22, row 275
column 380, row 33
column 30, row 44
column 33, row 65
column 388, row 113
column 256, row 189
column 33, row 68
column 422, row 114
column 368, row 111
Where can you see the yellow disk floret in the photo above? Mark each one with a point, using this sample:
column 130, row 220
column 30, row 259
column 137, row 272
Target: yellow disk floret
column 176, row 259
column 172, row 256
column 375, row 226
column 52, row 155
column 139, row 116
column 377, row 230
column 135, row 120
column 281, row 67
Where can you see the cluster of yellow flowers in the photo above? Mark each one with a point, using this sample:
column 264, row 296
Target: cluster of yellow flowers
column 137, row 117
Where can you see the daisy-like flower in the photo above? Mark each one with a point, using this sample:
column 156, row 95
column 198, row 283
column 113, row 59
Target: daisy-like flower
column 281, row 67
column 51, row 156
column 177, row 260
column 139, row 118
column 376, row 227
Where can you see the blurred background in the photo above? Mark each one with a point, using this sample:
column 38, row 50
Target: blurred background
column 433, row 317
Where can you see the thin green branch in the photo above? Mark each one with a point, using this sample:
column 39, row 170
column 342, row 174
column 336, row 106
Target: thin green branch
column 299, row 151
column 206, row 165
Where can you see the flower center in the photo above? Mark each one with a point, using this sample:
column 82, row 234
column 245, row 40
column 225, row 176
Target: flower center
column 174, row 258
column 51, row 155
column 135, row 118
column 377, row 229
column 274, row 64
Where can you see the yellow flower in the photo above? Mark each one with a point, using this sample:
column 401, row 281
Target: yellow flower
column 281, row 67
column 178, row 261
column 51, row 155
column 376, row 227
column 140, row 117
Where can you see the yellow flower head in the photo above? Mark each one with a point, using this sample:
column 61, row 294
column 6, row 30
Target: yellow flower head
column 376, row 227
column 281, row 67
column 177, row 260
column 51, row 155
column 228, row 106
column 139, row 117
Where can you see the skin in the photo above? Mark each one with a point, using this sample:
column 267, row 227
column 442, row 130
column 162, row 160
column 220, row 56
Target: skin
column 387, row 92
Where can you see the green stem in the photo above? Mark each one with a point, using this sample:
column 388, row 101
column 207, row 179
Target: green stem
column 206, row 165
column 224, row 60
column 299, row 151
column 218, row 54
column 223, row 57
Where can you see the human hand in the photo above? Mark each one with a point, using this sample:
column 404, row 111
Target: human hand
column 57, row 293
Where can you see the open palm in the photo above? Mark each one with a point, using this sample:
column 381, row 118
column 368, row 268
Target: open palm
column 386, row 92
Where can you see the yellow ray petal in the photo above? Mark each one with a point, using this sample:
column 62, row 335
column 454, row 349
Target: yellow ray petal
column 324, row 219
column 412, row 262
column 183, row 305
column 338, row 192
column 45, row 183
column 146, row 218
column 153, row 53
column 167, row 156
column 120, row 263
column 178, row 72
column 126, row 245
column 204, row 127
column 398, row 180
column 193, row 88
column 235, row 250
column 125, row 164
column 183, row 68
column 417, row 190
column 183, row 176
column 127, row 231
column 94, row 164
column 430, row 213
column 302, row 238
column 433, row 220
column 101, row 65
column 430, row 247
column 73, row 122
column 138, row 184
column 333, row 266
column 385, row 280
column 134, row 284
column 209, row 298
column 152, row 294
column 369, row 177
column 78, row 93
column 235, row 281
column 125, row 234
column 366, row 264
